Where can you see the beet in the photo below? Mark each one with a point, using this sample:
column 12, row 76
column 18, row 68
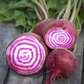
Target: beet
column 40, row 27
column 61, row 63
column 26, row 54
column 60, row 34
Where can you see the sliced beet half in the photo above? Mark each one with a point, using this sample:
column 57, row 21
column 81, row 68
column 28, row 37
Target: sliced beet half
column 60, row 34
column 26, row 54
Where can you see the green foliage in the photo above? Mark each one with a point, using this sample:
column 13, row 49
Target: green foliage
column 80, row 20
column 55, row 6
column 81, row 16
column 22, row 12
column 19, row 11
column 19, row 4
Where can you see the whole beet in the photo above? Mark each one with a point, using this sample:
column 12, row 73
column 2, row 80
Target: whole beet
column 40, row 27
column 61, row 63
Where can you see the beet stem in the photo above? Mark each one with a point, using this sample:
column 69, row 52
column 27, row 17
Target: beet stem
column 41, row 7
column 74, row 11
column 68, row 10
column 52, row 76
column 61, row 13
column 77, row 9
column 61, row 80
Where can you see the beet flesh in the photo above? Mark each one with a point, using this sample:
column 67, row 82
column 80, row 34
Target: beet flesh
column 40, row 27
column 60, row 34
column 26, row 54
column 62, row 63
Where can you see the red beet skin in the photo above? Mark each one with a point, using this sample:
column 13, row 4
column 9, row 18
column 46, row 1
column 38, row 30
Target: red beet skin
column 40, row 27
column 60, row 34
column 62, row 63
column 26, row 54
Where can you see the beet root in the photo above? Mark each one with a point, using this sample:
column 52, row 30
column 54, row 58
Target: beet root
column 60, row 34
column 26, row 54
column 40, row 27
column 62, row 64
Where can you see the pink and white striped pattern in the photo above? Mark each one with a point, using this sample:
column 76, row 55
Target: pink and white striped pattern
column 26, row 55
column 59, row 38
